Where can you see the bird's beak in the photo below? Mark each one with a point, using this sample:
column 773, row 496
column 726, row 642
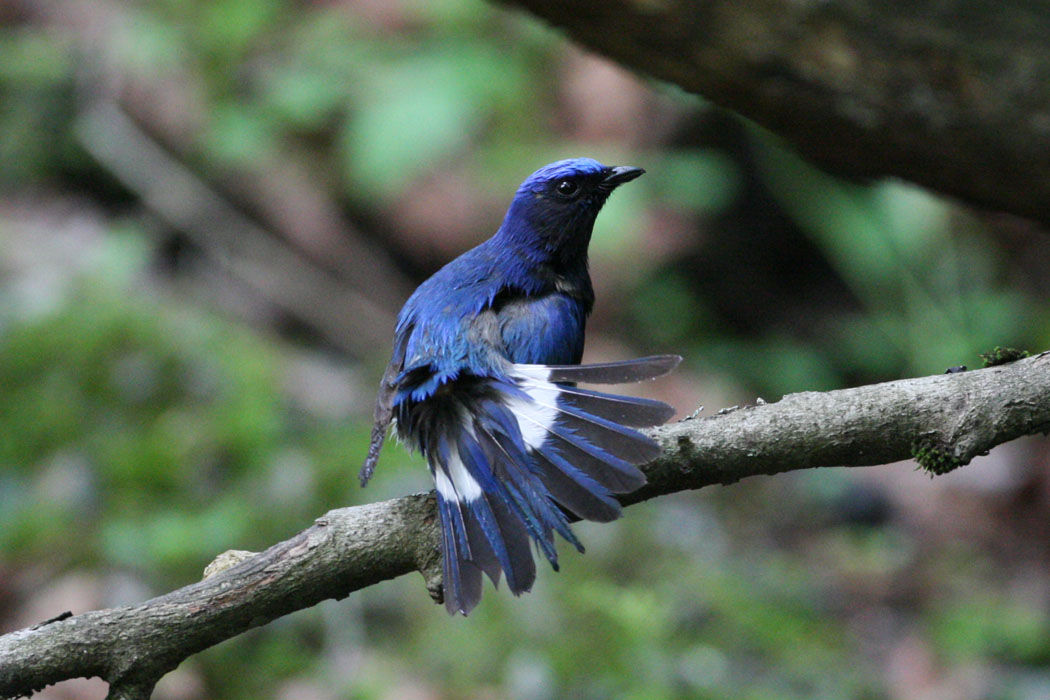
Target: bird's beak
column 620, row 174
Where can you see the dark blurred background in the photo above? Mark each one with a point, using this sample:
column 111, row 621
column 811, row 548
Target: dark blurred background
column 210, row 212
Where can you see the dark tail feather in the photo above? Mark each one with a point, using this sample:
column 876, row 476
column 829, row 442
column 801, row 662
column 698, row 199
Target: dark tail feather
column 608, row 372
column 461, row 578
column 617, row 440
column 625, row 410
column 482, row 554
column 501, row 534
column 615, row 474
column 576, row 491
column 490, row 557
column 522, row 572
column 516, row 471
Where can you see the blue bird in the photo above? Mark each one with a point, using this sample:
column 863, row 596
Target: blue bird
column 483, row 381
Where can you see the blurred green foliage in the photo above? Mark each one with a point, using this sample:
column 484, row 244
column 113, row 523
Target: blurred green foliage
column 142, row 434
column 116, row 409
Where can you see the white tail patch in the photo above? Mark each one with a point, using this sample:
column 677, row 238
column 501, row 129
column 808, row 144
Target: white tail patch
column 535, row 417
column 456, row 485
column 539, row 373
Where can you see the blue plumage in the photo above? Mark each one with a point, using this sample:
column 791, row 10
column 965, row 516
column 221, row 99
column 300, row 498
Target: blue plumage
column 483, row 382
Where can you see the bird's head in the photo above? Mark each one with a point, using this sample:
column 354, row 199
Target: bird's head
column 553, row 211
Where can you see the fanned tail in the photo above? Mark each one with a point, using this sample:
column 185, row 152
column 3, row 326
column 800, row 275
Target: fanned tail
column 583, row 439
column 513, row 457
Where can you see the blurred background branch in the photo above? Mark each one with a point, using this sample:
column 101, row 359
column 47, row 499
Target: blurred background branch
column 948, row 95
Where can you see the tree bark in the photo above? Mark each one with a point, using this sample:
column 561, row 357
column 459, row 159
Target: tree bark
column 944, row 420
column 950, row 94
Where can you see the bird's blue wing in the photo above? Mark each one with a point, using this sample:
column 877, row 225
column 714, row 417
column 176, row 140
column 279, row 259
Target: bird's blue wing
column 543, row 330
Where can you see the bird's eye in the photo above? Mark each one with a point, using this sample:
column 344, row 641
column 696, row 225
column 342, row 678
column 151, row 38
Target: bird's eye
column 567, row 188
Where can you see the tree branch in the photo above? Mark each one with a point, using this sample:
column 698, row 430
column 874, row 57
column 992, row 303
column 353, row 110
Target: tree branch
column 946, row 419
column 945, row 93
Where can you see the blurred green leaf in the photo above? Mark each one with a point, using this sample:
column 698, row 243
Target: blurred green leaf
column 30, row 58
column 240, row 134
column 699, row 181
column 228, row 27
column 420, row 110
column 403, row 133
